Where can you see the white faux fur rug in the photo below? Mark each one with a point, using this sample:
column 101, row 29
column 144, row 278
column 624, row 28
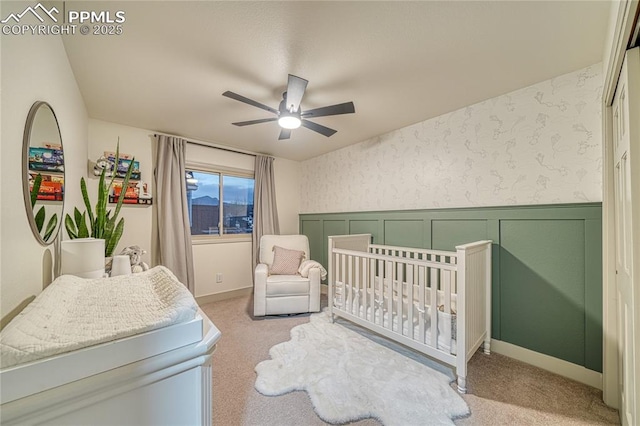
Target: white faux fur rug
column 350, row 377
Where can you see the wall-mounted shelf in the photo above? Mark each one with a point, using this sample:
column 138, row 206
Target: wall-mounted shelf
column 92, row 174
column 132, row 201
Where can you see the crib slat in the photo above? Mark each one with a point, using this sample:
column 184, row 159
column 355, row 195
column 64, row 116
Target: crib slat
column 350, row 295
column 334, row 275
column 380, row 292
column 400, row 285
column 343, row 277
column 388, row 281
column 364, row 293
column 433, row 305
column 372, row 288
column 421, row 303
column 447, row 290
column 358, row 290
column 410, row 301
column 446, row 287
column 336, row 279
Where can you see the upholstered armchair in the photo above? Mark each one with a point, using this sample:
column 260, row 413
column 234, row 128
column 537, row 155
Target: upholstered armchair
column 279, row 289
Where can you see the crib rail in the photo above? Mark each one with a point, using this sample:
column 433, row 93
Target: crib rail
column 439, row 256
column 437, row 302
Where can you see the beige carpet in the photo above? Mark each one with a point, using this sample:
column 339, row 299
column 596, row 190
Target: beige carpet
column 502, row 391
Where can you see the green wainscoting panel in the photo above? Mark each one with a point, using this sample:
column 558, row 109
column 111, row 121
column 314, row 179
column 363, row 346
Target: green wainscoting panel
column 313, row 230
column 332, row 227
column 547, row 265
column 403, row 233
column 366, row 227
column 447, row 234
column 543, row 304
column 335, row 227
column 593, row 295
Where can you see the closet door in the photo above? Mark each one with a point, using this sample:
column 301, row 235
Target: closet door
column 626, row 146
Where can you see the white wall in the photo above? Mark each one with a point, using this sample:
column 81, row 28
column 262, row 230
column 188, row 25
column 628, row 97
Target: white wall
column 287, row 176
column 103, row 136
column 537, row 145
column 33, row 68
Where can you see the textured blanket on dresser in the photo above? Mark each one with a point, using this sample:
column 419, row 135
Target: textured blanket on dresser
column 73, row 313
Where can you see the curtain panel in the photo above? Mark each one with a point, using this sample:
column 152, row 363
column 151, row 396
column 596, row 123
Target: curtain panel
column 265, row 211
column 173, row 239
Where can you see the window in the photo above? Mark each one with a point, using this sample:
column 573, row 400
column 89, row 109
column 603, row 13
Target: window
column 219, row 203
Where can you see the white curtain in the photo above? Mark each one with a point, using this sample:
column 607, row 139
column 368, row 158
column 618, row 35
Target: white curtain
column 173, row 239
column 265, row 211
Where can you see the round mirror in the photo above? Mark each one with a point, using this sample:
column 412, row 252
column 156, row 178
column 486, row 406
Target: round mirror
column 43, row 172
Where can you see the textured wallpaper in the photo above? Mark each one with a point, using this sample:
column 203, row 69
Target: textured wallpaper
column 537, row 145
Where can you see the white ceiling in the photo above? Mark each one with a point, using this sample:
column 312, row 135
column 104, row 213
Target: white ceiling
column 399, row 62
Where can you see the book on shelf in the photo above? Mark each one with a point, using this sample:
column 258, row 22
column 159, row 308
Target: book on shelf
column 135, row 193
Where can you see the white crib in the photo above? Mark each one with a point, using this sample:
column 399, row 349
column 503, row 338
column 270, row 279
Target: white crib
column 436, row 302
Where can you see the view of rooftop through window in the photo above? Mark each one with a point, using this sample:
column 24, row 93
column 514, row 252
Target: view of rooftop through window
column 208, row 215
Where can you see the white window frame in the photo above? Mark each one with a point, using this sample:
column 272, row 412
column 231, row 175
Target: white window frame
column 221, row 171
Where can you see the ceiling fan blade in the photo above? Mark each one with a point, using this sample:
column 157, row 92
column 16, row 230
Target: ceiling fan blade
column 241, row 98
column 345, row 108
column 318, row 128
column 248, row 123
column 295, row 91
column 284, row 134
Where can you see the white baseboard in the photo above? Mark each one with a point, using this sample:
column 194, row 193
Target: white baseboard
column 216, row 297
column 549, row 363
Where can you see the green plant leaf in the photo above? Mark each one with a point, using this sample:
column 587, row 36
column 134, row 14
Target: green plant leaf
column 112, row 243
column 101, row 206
column 35, row 189
column 51, row 226
column 77, row 216
column 40, row 218
column 79, row 228
column 87, row 203
column 71, row 227
column 125, row 185
column 108, row 230
column 83, row 231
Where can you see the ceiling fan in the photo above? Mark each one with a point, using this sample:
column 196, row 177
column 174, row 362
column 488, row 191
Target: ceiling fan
column 289, row 115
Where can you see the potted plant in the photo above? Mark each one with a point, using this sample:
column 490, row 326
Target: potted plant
column 102, row 223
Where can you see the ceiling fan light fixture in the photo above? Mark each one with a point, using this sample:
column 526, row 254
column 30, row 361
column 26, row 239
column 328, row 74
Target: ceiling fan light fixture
column 288, row 121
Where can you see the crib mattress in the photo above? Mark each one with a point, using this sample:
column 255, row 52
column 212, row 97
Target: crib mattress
column 74, row 313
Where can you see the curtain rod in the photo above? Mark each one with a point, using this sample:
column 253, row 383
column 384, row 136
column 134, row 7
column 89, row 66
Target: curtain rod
column 212, row 145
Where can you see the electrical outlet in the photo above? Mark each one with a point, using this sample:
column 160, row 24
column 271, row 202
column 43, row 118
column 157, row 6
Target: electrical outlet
column 219, row 277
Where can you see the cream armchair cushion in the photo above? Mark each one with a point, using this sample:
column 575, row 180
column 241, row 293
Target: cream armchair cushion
column 284, row 294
